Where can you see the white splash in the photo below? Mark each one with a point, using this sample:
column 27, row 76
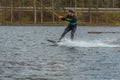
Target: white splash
column 79, row 43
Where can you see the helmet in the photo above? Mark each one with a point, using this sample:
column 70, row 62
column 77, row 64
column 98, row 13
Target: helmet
column 72, row 11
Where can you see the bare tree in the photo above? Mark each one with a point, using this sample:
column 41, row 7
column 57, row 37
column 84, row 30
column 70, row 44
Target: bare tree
column 35, row 12
column 76, row 7
column 4, row 12
column 113, row 3
column 83, row 6
column 53, row 16
column 90, row 12
column 0, row 13
column 97, row 5
column 107, row 6
column 11, row 11
column 41, row 11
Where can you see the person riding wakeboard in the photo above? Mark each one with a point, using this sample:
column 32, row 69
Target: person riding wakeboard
column 71, row 18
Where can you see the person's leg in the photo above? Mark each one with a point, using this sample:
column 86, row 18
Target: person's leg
column 64, row 33
column 73, row 32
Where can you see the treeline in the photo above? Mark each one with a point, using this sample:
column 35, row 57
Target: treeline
column 65, row 3
column 20, row 12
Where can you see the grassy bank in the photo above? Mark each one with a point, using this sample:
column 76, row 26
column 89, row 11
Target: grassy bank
column 84, row 19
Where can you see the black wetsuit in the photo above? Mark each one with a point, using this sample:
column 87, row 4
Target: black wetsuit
column 71, row 26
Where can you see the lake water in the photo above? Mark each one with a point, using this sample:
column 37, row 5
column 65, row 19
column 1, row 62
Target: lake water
column 25, row 53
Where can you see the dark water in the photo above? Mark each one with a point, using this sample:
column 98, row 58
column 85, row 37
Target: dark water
column 25, row 54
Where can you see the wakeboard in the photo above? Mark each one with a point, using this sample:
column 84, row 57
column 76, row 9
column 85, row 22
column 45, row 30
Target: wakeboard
column 52, row 41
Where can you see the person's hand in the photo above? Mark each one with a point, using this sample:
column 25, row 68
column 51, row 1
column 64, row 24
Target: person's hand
column 60, row 17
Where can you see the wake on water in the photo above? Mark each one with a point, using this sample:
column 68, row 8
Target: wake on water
column 95, row 43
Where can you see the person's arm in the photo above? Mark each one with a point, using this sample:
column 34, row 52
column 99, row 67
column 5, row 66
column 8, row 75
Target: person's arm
column 65, row 18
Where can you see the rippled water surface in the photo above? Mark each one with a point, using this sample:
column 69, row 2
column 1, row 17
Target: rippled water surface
column 25, row 54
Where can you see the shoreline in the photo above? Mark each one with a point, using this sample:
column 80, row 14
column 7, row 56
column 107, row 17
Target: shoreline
column 46, row 25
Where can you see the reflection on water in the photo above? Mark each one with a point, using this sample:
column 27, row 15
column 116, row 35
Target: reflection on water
column 25, row 54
